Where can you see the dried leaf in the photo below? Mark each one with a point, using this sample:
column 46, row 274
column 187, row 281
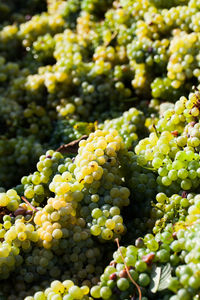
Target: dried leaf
column 3, row 211
column 71, row 147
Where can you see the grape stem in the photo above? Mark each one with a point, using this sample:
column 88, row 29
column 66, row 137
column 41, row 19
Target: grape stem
column 155, row 129
column 25, row 200
column 127, row 270
column 111, row 39
column 30, row 219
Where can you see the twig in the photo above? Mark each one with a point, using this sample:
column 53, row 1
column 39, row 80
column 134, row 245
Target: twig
column 127, row 270
column 111, row 39
column 156, row 131
column 25, row 200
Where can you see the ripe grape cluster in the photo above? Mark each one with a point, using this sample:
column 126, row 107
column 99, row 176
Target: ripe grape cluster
column 173, row 153
column 75, row 60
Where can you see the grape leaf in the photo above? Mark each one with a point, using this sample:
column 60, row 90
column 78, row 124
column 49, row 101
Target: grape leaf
column 159, row 277
column 155, row 278
column 165, row 276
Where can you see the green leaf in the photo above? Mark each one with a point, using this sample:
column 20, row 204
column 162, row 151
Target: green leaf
column 159, row 277
column 165, row 276
column 155, row 278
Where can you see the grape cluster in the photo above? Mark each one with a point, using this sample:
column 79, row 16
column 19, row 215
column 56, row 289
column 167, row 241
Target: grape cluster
column 134, row 267
column 58, row 225
column 170, row 210
column 16, row 238
column 93, row 176
column 36, row 185
column 60, row 60
column 129, row 126
column 65, row 290
column 83, row 199
column 17, row 152
column 173, row 154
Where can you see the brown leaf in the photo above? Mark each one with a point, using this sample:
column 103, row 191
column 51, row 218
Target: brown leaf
column 71, row 147
column 3, row 211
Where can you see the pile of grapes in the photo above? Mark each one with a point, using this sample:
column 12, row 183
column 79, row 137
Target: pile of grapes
column 100, row 149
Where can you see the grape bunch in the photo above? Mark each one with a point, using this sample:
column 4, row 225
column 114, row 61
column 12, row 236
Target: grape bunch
column 173, row 153
column 134, row 269
column 68, row 61
column 65, row 290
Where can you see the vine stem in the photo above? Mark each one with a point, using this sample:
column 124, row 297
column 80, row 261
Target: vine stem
column 25, row 200
column 156, row 131
column 127, row 270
